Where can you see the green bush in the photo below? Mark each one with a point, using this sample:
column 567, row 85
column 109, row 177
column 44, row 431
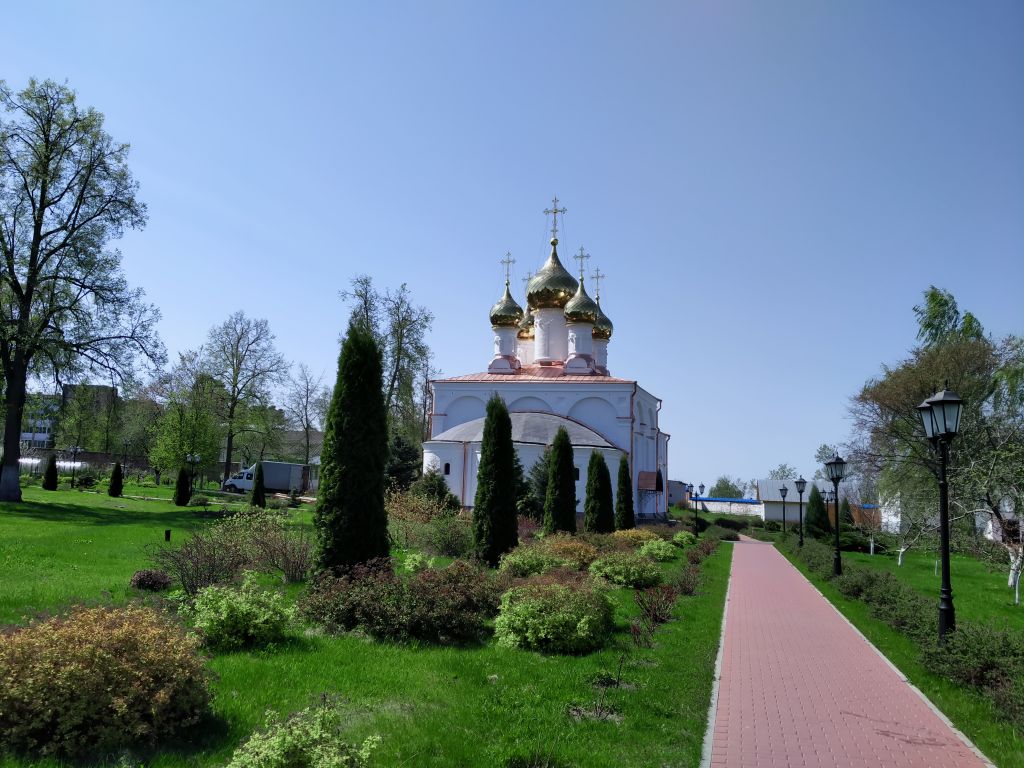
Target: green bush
column 312, row 738
column 434, row 487
column 635, row 536
column 571, row 550
column 683, row 539
column 722, row 534
column 554, row 618
column 981, row 655
column 627, row 569
column 772, row 525
column 50, row 479
column 198, row 500
column 528, row 560
column 658, row 550
column 414, row 562
column 449, row 535
column 150, row 580
column 732, row 525
column 246, row 617
column 116, row 486
column 97, row 680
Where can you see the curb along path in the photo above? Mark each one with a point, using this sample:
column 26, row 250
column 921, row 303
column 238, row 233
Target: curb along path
column 801, row 687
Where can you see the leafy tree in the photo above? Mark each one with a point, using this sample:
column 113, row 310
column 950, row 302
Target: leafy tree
column 240, row 354
column 350, row 518
column 50, row 477
column 116, row 486
column 726, row 488
column 560, row 501
column 824, row 454
column 182, row 488
column 783, row 472
column 939, row 320
column 816, row 521
column 259, row 491
column 495, row 524
column 259, row 431
column 305, row 403
column 598, row 515
column 433, row 486
column 188, row 423
column 624, row 517
column 67, row 193
column 403, row 463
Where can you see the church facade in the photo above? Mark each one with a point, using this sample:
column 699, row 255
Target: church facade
column 550, row 366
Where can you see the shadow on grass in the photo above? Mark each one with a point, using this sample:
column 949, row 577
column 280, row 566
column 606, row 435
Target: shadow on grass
column 76, row 513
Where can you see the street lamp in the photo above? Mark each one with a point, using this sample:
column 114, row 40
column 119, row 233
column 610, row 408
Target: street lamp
column 193, row 462
column 835, row 470
column 940, row 415
column 782, row 492
column 801, row 485
column 73, row 450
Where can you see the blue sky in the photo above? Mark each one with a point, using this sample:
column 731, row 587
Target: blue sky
column 768, row 186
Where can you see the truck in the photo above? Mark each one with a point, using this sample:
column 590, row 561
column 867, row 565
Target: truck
column 279, row 476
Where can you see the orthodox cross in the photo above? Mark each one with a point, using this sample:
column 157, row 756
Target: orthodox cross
column 554, row 210
column 508, row 261
column 528, row 278
column 582, row 257
column 597, row 276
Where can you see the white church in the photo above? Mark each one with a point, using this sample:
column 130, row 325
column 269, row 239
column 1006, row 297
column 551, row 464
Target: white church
column 550, row 366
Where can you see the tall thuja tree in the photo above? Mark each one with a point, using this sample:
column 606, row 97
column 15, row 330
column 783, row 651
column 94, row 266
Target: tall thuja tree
column 66, row 193
column 351, row 521
column 50, row 477
column 182, row 488
column 259, row 491
column 624, row 517
column 116, row 487
column 816, row 520
column 495, row 524
column 560, row 501
column 598, row 514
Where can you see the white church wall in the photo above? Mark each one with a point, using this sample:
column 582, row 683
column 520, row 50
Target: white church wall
column 530, row 403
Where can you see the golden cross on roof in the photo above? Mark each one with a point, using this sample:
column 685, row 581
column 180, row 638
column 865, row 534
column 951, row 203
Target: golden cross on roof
column 553, row 211
column 582, row 257
column 597, row 276
column 508, row 261
column 528, row 278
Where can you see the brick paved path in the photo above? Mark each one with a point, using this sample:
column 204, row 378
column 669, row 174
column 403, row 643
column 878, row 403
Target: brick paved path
column 800, row 687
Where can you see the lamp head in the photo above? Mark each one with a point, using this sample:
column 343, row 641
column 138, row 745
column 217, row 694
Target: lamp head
column 783, row 491
column 701, row 489
column 946, row 408
column 835, row 469
column 801, row 485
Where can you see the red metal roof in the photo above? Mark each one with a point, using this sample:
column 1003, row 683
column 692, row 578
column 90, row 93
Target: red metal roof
column 545, row 373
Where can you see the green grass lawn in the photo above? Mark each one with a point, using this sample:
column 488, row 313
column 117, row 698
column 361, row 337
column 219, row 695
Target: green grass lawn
column 432, row 706
column 969, row 711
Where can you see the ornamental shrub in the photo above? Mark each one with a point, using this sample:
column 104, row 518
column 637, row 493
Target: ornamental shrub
column 151, row 580
column 636, row 536
column 528, row 560
column 658, row 550
column 570, row 550
column 116, row 486
column 598, row 508
column 199, row 500
column 203, row 559
column 50, row 478
column 684, row 539
column 449, row 535
column 182, row 488
column 246, row 617
column 722, row 534
column 624, row 517
column 627, row 569
column 311, row 738
column 495, row 519
column 656, row 604
column 981, row 655
column 414, row 562
column 433, row 487
column 554, row 618
column 98, row 680
column 687, row 581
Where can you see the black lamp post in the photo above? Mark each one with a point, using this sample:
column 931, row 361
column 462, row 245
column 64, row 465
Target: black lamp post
column 835, row 470
column 696, row 508
column 74, row 449
column 782, row 492
column 940, row 415
column 801, row 486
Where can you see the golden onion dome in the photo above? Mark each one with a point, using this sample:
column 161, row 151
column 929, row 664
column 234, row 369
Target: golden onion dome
column 526, row 328
column 603, row 327
column 552, row 286
column 581, row 308
column 506, row 313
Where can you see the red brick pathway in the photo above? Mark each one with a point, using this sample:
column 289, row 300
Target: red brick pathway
column 800, row 687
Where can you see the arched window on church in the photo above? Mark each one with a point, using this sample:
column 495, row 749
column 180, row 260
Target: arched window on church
column 447, row 468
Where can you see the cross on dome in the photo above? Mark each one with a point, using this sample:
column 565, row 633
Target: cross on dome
column 553, row 211
column 597, row 276
column 508, row 261
column 582, row 257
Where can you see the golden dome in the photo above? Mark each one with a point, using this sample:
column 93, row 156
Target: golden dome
column 506, row 313
column 603, row 327
column 581, row 308
column 526, row 328
column 553, row 286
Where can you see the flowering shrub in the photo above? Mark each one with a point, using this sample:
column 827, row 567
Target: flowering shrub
column 627, row 569
column 554, row 618
column 312, row 738
column 249, row 617
column 636, row 536
column 528, row 560
column 570, row 550
column 151, row 580
column 683, row 539
column 97, row 680
column 658, row 550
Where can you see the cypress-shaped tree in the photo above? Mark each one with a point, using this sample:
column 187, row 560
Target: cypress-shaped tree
column 560, row 501
column 816, row 521
column 495, row 523
column 116, row 487
column 624, row 517
column 404, row 463
column 259, row 490
column 598, row 509
column 182, row 488
column 350, row 519
column 50, row 478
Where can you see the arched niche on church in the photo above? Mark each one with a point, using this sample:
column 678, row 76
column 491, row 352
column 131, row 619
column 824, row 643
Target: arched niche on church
column 530, row 404
column 462, row 409
column 598, row 414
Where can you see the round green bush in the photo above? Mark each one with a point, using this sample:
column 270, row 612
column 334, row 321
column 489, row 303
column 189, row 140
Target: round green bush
column 627, row 569
column 683, row 539
column 248, row 617
column 554, row 618
column 658, row 550
column 526, row 561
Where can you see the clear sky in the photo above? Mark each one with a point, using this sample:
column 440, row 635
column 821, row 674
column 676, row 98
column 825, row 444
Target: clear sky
column 768, row 186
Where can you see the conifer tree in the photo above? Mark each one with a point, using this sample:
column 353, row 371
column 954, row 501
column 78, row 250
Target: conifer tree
column 182, row 488
column 495, row 523
column 433, row 486
column 816, row 521
column 116, row 487
column 624, row 517
column 598, row 512
column 560, row 501
column 50, row 478
column 259, row 491
column 350, row 519
column 845, row 515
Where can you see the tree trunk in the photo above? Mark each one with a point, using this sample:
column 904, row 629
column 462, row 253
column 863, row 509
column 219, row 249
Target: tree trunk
column 899, row 560
column 1016, row 561
column 10, row 485
column 230, row 443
